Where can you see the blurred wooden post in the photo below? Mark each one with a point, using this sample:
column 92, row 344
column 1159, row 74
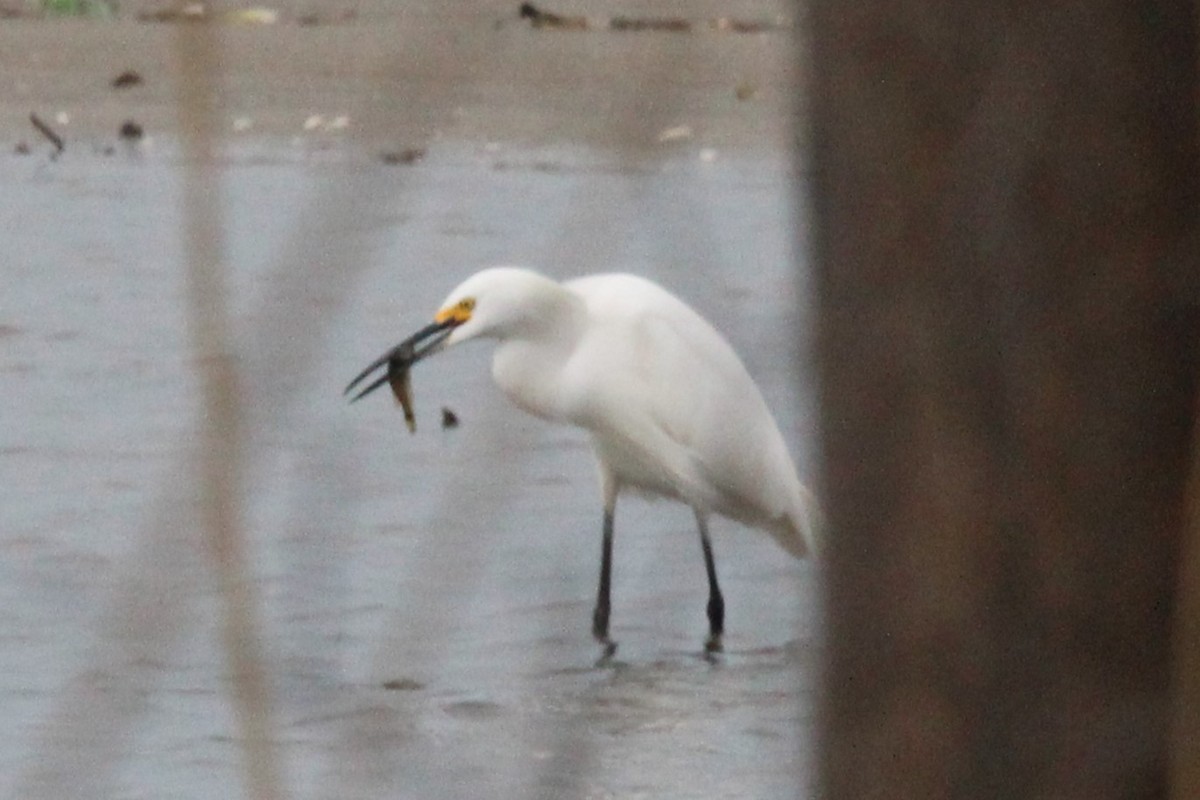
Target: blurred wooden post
column 1006, row 197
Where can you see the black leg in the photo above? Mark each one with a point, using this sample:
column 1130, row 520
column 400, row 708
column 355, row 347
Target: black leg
column 716, row 603
column 603, row 593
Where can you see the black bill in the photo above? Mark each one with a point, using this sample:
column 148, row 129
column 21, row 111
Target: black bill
column 422, row 343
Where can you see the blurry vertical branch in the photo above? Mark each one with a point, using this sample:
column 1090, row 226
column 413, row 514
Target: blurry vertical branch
column 1185, row 719
column 1006, row 198
column 221, row 462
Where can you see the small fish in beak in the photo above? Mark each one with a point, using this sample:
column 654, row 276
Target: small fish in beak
column 400, row 379
column 399, row 361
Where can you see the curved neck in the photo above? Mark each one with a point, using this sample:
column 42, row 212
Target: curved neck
column 556, row 318
column 530, row 355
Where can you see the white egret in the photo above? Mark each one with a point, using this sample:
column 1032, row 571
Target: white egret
column 670, row 408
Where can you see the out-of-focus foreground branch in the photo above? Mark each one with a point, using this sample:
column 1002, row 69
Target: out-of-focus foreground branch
column 221, row 462
column 1006, row 201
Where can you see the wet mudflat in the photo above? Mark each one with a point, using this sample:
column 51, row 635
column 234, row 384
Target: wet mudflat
column 424, row 598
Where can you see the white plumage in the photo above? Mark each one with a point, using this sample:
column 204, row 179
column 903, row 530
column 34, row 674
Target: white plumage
column 670, row 408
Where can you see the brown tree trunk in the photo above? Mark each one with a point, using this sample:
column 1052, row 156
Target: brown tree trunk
column 1009, row 345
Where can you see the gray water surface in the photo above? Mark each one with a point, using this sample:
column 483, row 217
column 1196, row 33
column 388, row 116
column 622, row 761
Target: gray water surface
column 424, row 600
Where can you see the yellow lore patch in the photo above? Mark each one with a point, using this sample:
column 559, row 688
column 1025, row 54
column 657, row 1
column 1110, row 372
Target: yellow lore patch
column 459, row 313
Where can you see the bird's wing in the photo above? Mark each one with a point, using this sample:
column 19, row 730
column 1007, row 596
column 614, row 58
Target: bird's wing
column 664, row 374
column 709, row 403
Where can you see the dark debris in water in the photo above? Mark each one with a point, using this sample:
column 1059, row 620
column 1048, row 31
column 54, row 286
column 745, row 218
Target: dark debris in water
column 403, row 685
column 548, row 19
column 634, row 24
column 131, row 131
column 543, row 19
column 127, row 79
column 45, row 130
column 405, row 157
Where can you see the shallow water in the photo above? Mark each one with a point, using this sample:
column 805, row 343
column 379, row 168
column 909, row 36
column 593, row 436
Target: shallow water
column 424, row 600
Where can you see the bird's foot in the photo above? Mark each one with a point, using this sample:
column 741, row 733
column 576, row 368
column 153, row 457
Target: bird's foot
column 600, row 632
column 608, row 650
column 713, row 644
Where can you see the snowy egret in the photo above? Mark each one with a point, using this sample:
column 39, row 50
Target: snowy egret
column 670, row 408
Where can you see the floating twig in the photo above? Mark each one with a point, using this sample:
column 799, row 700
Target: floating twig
column 126, row 79
column 48, row 132
column 667, row 24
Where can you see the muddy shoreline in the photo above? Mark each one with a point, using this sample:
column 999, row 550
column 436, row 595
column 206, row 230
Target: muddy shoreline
column 402, row 79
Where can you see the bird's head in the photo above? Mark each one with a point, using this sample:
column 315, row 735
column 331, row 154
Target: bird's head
column 499, row 302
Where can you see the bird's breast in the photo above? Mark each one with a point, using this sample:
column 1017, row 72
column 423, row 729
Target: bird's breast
column 531, row 378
